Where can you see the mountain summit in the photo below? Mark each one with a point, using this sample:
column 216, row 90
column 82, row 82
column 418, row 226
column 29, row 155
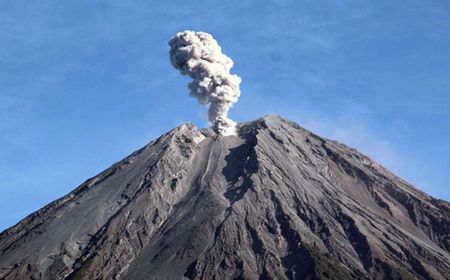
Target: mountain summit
column 274, row 202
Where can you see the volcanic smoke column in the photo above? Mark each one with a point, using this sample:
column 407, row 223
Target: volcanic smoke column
column 198, row 55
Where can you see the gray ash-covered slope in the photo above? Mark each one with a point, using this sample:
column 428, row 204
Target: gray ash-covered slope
column 277, row 202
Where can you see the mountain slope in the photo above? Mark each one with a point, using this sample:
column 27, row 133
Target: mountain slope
column 277, row 202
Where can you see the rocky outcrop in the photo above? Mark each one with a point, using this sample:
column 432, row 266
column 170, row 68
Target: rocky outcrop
column 274, row 202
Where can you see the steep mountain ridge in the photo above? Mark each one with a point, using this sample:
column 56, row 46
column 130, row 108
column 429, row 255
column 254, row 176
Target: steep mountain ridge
column 275, row 202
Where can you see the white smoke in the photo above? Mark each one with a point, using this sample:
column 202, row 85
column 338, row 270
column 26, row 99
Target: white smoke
column 198, row 55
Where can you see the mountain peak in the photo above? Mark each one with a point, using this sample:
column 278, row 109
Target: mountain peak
column 274, row 202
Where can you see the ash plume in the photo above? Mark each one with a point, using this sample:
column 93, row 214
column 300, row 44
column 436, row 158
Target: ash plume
column 199, row 56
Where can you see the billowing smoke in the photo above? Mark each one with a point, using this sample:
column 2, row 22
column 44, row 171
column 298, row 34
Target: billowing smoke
column 198, row 55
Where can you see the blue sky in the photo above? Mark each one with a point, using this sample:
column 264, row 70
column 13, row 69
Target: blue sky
column 85, row 83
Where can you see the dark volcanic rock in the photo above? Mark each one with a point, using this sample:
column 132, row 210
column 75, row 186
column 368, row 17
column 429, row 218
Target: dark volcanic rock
column 277, row 202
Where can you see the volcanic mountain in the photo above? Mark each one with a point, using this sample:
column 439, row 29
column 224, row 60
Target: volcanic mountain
column 274, row 202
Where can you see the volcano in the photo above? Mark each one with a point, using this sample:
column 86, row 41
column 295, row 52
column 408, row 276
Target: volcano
column 273, row 202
